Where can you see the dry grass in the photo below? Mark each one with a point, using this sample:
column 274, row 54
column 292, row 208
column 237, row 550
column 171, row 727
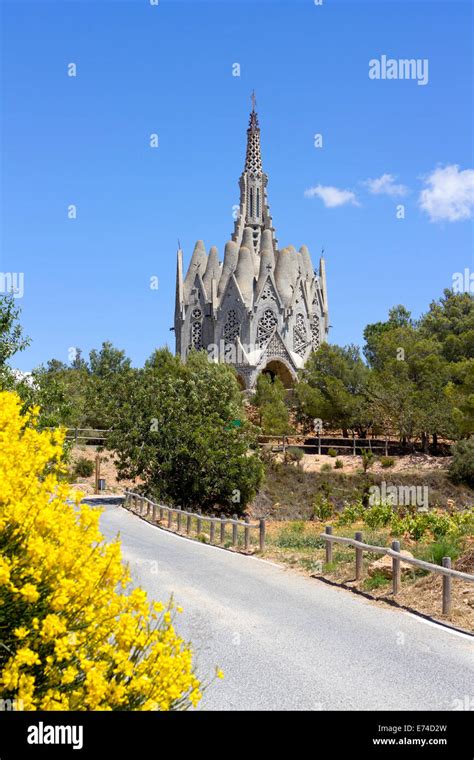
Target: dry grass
column 419, row 592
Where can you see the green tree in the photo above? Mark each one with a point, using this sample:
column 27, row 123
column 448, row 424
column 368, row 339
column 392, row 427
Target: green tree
column 108, row 367
column 173, row 429
column 398, row 317
column 12, row 339
column 333, row 388
column 450, row 321
column 270, row 397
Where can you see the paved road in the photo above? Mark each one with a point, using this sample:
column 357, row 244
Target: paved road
column 289, row 642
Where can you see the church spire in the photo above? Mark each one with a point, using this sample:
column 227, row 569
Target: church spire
column 254, row 212
column 253, row 156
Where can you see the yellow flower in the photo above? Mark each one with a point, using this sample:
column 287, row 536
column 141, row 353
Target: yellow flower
column 4, row 571
column 95, row 644
column 219, row 673
column 21, row 632
column 52, row 626
column 26, row 656
column 29, row 592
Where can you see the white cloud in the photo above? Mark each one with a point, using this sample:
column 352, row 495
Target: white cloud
column 385, row 185
column 448, row 194
column 332, row 196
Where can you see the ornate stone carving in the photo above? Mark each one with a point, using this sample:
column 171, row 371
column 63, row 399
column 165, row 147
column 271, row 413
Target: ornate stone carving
column 300, row 338
column 276, row 348
column 231, row 327
column 266, row 325
column 315, row 334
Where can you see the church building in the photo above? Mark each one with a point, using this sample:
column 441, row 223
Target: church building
column 264, row 308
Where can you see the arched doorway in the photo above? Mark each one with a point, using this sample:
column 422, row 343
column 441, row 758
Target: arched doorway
column 277, row 368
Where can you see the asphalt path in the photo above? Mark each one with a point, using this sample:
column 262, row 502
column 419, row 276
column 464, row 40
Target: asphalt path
column 286, row 641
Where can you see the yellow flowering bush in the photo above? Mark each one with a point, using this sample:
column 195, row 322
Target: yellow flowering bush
column 73, row 635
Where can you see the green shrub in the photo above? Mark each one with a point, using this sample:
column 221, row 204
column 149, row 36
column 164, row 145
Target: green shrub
column 444, row 547
column 84, row 467
column 387, row 462
column 351, row 513
column 294, row 454
column 378, row 516
column 377, row 580
column 326, row 467
column 368, row 458
column 464, row 521
column 323, row 508
column 461, row 469
column 338, row 464
column 332, row 452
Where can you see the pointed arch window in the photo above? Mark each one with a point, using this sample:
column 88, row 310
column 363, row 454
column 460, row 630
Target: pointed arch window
column 251, row 202
column 258, row 201
column 266, row 325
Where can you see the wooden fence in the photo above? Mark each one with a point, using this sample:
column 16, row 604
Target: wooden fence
column 445, row 569
column 84, row 435
column 181, row 521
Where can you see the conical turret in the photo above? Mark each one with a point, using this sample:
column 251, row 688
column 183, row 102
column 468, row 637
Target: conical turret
column 197, row 265
column 231, row 255
column 307, row 263
column 285, row 275
column 213, row 270
column 244, row 275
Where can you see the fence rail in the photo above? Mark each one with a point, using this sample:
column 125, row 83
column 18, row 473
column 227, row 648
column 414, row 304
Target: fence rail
column 353, row 445
column 156, row 513
column 397, row 557
column 84, row 434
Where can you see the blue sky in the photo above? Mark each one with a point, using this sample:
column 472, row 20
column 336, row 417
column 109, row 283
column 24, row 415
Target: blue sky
column 168, row 69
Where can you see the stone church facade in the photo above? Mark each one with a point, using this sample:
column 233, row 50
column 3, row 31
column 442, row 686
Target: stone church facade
column 262, row 308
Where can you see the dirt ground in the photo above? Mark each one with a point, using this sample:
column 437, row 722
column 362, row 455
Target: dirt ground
column 108, row 471
column 411, row 463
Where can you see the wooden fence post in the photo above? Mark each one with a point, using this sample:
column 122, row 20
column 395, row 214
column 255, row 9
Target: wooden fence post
column 235, row 536
column 262, row 535
column 328, row 530
column 319, row 443
column 162, row 513
column 247, row 534
column 199, row 523
column 178, row 526
column 222, row 535
column 188, row 524
column 446, row 588
column 396, row 571
column 386, row 446
column 212, row 529
column 359, row 557
column 353, row 443
column 170, row 518
column 154, row 512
